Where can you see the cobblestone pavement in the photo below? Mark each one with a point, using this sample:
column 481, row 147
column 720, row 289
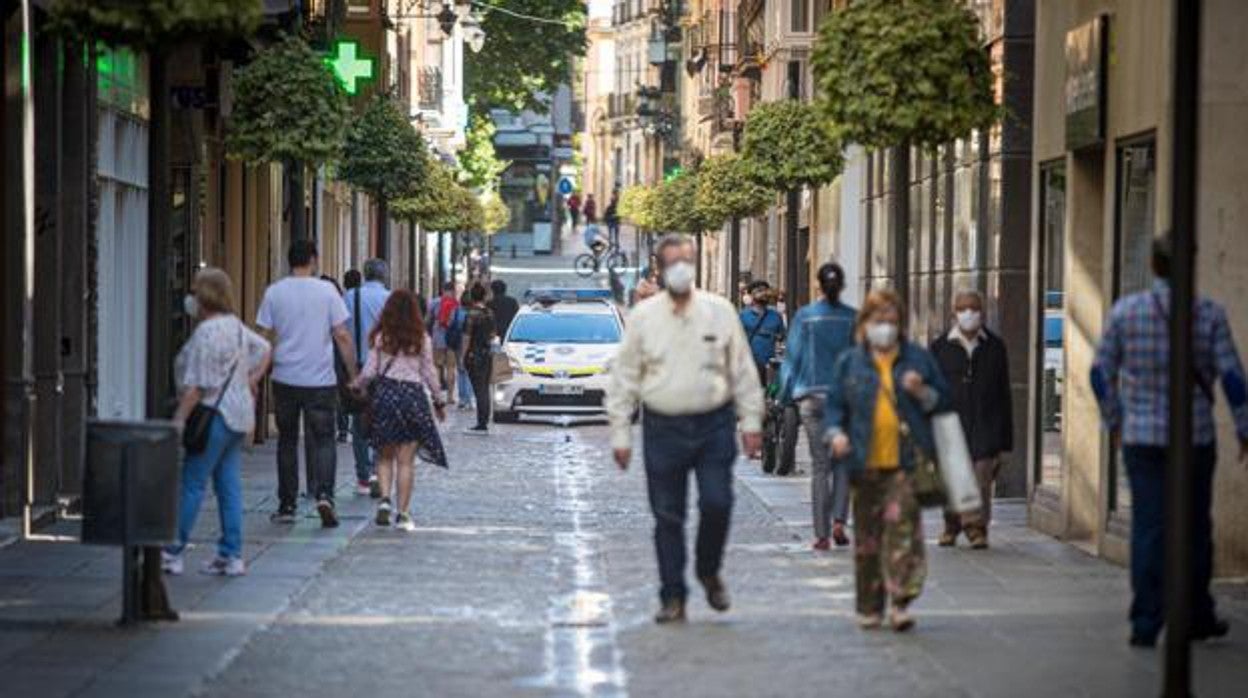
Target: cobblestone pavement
column 531, row 573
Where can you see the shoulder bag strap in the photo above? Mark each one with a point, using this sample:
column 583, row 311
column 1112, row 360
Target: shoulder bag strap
column 1196, row 376
column 757, row 326
column 358, row 321
column 233, row 369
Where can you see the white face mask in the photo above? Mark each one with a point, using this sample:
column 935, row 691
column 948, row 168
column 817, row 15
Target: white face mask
column 969, row 320
column 679, row 277
column 747, row 300
column 190, row 305
column 882, row 335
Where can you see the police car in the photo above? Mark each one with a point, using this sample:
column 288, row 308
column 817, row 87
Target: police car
column 560, row 347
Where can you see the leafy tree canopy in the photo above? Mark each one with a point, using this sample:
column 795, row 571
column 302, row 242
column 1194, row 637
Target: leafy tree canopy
column 496, row 215
column 145, row 23
column 892, row 72
column 638, row 205
column 521, row 59
column 676, row 209
column 384, row 156
column 287, row 106
column 433, row 200
column 725, row 190
column 479, row 163
column 787, row 146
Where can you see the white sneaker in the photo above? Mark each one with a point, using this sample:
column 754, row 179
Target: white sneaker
column 228, row 567
column 170, row 563
column 404, row 522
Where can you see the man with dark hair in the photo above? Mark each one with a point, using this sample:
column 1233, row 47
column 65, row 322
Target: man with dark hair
column 1131, row 379
column 763, row 325
column 685, row 359
column 364, row 304
column 305, row 318
column 477, row 356
column 818, row 334
column 503, row 306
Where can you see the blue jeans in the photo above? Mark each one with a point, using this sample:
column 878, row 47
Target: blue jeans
column 222, row 461
column 705, row 444
column 1146, row 469
column 463, row 386
column 364, row 466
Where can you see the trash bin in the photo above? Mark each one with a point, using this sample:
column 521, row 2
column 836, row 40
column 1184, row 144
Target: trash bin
column 131, row 484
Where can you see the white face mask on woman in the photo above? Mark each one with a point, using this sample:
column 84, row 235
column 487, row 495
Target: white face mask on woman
column 679, row 277
column 882, row 335
column 190, row 305
column 970, row 320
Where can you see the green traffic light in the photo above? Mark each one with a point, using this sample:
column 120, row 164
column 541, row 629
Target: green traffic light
column 350, row 65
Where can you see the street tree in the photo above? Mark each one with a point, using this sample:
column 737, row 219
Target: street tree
column 524, row 60
column 384, row 157
column 155, row 22
column 639, row 206
column 726, row 190
column 479, row 164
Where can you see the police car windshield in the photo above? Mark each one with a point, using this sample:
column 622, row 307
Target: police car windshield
column 564, row 328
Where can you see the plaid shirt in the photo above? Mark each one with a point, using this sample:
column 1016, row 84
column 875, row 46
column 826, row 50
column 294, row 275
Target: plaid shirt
column 1131, row 373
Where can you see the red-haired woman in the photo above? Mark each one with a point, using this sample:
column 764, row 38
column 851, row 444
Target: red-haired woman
column 406, row 397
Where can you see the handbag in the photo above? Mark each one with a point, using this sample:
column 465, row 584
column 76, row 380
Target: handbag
column 929, row 485
column 195, row 430
column 955, row 463
column 500, row 367
column 365, row 413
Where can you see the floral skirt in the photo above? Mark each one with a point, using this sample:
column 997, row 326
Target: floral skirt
column 402, row 413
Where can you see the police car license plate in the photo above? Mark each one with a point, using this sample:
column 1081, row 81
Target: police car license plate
column 560, row 389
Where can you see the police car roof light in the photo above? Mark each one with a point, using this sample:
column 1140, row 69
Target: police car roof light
column 548, row 296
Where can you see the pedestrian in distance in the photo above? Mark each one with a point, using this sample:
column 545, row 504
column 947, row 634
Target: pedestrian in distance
column 219, row 368
column 611, row 217
column 820, row 332
column 764, row 327
column 442, row 316
column 306, row 319
column 574, row 209
column 503, row 306
column 590, row 209
column 455, row 342
column 685, row 359
column 977, row 370
column 1131, row 380
column 364, row 305
column 405, row 398
column 477, row 358
column 878, row 412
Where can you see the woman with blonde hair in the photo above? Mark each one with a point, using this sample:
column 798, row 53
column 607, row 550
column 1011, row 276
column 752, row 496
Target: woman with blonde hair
column 217, row 371
column 404, row 400
column 883, row 393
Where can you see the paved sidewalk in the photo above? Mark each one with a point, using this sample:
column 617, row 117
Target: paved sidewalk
column 59, row 601
column 1031, row 616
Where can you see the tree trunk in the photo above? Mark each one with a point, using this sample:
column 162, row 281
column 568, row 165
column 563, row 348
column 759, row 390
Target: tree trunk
column 295, row 194
column 792, row 263
column 383, row 229
column 899, row 184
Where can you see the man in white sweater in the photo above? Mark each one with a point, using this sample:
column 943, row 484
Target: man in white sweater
column 686, row 360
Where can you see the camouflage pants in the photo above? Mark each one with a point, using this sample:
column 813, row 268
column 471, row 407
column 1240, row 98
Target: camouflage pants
column 888, row 540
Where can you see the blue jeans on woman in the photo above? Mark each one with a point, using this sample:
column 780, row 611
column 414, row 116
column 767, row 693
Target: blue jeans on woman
column 220, row 460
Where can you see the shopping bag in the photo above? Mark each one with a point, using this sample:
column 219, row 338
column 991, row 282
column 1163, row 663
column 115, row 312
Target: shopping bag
column 500, row 367
column 961, row 487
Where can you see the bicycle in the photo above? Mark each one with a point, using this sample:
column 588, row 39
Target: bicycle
column 780, row 426
column 602, row 254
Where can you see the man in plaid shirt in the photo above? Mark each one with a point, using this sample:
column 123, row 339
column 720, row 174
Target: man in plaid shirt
column 1131, row 380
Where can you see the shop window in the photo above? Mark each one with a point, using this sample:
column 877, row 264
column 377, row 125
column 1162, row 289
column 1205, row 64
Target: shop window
column 1135, row 226
column 1053, row 320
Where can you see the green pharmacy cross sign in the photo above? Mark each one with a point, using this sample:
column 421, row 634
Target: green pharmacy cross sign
column 350, row 66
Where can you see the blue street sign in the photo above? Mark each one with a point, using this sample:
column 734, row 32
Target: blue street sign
column 565, row 186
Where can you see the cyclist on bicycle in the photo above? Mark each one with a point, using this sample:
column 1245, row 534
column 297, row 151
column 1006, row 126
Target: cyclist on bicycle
column 763, row 325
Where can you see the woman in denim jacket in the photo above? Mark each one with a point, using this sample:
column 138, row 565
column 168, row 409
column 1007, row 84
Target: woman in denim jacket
column 882, row 395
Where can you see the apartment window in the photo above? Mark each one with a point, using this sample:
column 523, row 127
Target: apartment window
column 799, row 15
column 1053, row 320
column 359, row 7
column 1135, row 223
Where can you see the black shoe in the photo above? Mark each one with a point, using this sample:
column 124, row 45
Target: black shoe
column 716, row 593
column 325, row 508
column 1145, row 641
column 284, row 515
column 672, row 611
column 374, row 487
column 1217, row 629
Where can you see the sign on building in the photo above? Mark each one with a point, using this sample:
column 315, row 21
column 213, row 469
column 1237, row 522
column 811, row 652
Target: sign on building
column 1087, row 48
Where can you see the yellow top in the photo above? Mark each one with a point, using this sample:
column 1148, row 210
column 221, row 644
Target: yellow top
column 884, row 452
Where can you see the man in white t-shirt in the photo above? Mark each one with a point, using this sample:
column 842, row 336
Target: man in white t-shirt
column 305, row 318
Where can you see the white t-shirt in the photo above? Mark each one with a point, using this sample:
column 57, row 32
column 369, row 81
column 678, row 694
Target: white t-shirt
column 303, row 311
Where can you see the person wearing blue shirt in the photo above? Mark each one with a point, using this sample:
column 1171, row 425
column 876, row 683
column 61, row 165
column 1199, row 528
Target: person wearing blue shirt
column 818, row 334
column 1131, row 380
column 364, row 305
column 763, row 326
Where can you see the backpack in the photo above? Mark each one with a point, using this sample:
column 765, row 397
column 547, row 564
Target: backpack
column 455, row 330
